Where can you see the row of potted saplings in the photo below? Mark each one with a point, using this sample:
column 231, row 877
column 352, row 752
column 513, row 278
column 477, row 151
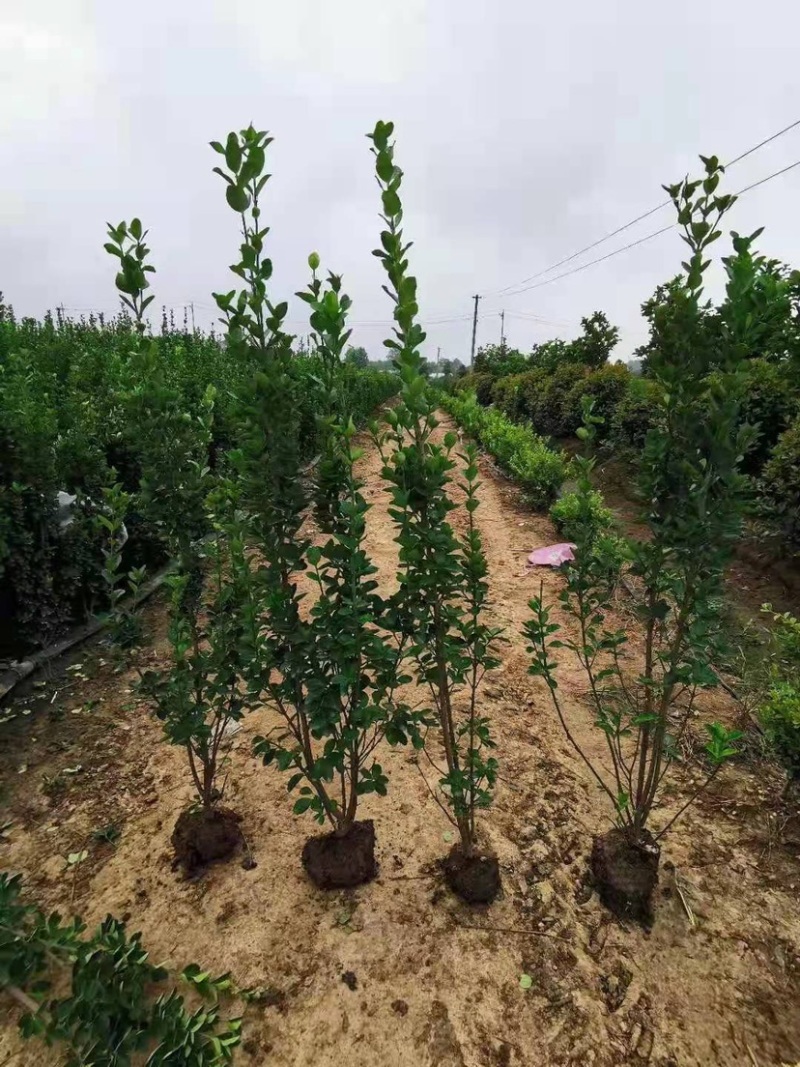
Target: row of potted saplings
column 332, row 676
column 296, row 626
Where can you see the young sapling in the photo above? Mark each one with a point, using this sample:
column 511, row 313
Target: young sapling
column 689, row 477
column 440, row 603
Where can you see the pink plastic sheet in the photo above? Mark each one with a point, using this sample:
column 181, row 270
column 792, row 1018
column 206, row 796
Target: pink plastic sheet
column 552, row 555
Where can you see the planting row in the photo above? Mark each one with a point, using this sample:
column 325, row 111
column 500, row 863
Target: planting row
column 547, row 387
column 329, row 671
column 84, row 405
column 520, row 451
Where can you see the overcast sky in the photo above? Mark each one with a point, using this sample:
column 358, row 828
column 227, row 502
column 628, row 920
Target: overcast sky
column 526, row 131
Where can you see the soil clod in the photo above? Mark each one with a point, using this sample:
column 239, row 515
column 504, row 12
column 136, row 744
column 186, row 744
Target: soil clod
column 350, row 980
column 203, row 837
column 626, row 875
column 333, row 862
column 476, row 878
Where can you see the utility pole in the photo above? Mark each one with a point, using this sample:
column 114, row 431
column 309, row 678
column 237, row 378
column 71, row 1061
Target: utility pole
column 502, row 329
column 476, row 298
column 192, row 307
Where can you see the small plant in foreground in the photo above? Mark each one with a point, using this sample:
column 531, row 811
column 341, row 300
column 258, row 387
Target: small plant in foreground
column 439, row 606
column 571, row 511
column 108, row 834
column 100, row 995
column 780, row 717
column 689, row 476
column 583, row 518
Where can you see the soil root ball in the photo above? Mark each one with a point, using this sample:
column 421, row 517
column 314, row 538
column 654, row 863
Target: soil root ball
column 203, row 837
column 475, row 878
column 626, row 874
column 341, row 862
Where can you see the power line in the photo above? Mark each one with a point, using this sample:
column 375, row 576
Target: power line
column 386, row 322
column 639, row 218
column 529, row 316
column 761, row 144
column 777, row 174
column 592, row 262
column 642, row 240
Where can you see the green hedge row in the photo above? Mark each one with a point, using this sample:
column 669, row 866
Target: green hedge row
column 81, row 407
column 551, row 402
column 540, row 470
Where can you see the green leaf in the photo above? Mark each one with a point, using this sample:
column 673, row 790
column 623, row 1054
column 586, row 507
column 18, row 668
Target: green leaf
column 391, row 203
column 525, row 981
column 233, row 155
column 384, row 166
column 237, row 198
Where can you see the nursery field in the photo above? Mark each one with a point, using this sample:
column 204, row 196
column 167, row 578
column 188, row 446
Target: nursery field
column 424, row 751
column 400, row 971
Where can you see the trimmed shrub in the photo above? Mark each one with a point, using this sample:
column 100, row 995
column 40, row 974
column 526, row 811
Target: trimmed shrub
column 479, row 383
column 770, row 401
column 781, row 481
column 780, row 717
column 571, row 509
column 554, row 413
column 635, row 414
column 530, row 390
column 607, row 386
column 507, row 396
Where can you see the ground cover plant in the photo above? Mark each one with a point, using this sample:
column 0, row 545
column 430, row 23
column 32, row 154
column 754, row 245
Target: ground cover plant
column 101, row 997
column 689, row 474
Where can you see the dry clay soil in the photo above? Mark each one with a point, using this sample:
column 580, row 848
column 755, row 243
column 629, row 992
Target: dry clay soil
column 399, row 972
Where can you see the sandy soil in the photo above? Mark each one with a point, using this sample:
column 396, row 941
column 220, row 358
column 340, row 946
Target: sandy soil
column 429, row 980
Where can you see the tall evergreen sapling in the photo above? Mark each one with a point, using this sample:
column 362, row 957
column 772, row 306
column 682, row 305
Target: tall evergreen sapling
column 101, row 997
column 201, row 694
column 438, row 609
column 689, row 478
column 328, row 674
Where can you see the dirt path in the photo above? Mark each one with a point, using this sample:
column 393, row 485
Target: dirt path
column 430, row 982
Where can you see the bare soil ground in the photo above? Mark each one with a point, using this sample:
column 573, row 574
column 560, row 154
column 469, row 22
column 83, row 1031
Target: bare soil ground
column 399, row 972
